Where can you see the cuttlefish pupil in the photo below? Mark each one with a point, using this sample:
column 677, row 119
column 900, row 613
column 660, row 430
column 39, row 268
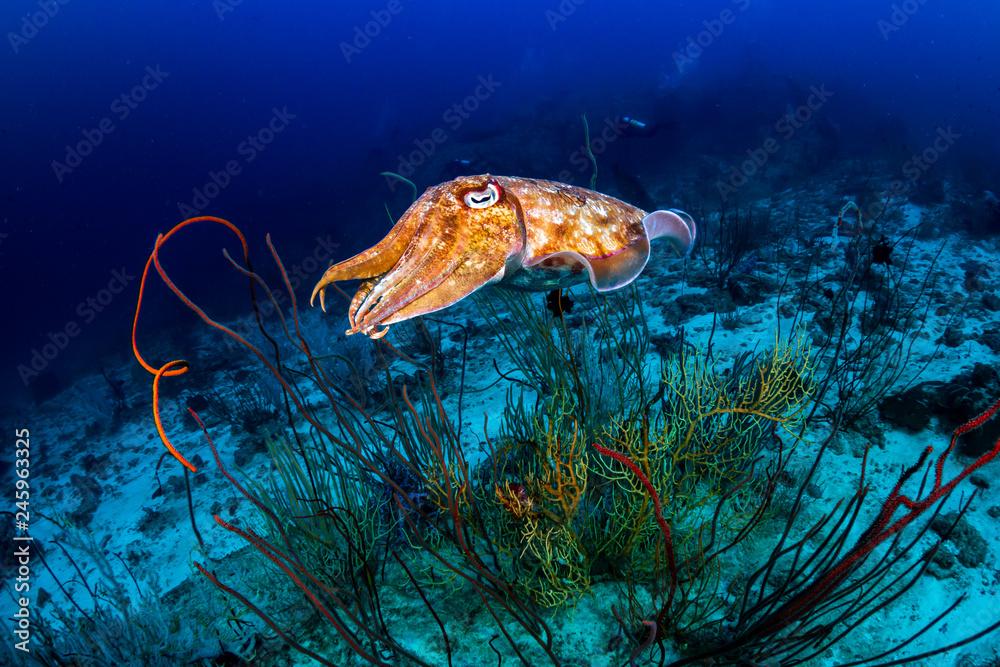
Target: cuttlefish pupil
column 485, row 198
column 515, row 232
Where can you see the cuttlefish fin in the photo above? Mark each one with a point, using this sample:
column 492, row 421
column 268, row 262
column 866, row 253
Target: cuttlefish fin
column 373, row 262
column 618, row 269
column 676, row 226
column 609, row 272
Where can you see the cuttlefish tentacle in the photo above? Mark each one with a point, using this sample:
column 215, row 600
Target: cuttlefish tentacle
column 460, row 283
column 371, row 263
column 451, row 260
column 523, row 233
column 420, row 270
column 363, row 291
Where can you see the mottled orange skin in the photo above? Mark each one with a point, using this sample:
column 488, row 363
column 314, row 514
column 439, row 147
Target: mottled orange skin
column 539, row 234
column 562, row 221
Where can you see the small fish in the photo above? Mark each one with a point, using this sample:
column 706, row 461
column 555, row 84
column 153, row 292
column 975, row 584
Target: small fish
column 558, row 303
column 882, row 252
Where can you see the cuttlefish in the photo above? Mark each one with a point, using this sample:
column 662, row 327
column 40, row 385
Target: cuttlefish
column 521, row 233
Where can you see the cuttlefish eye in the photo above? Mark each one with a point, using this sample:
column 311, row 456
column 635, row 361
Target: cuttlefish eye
column 484, row 198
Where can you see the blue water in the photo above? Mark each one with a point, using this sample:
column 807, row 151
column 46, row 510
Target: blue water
column 897, row 76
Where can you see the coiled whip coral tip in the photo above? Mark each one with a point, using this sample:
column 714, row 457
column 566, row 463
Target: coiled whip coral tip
column 156, row 412
column 177, row 366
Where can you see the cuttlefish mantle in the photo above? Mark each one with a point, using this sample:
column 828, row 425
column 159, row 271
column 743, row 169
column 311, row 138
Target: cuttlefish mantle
column 516, row 232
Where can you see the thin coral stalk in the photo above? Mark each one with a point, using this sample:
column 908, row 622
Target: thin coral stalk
column 828, row 596
column 658, row 509
column 883, row 527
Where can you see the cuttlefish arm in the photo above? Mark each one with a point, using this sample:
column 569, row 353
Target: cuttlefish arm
column 371, row 263
column 448, row 250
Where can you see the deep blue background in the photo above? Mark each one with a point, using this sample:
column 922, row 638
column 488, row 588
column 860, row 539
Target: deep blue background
column 320, row 175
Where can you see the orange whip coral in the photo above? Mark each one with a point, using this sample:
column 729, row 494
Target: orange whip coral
column 177, row 366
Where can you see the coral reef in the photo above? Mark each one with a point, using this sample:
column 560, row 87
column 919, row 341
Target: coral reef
column 705, row 471
column 601, row 471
